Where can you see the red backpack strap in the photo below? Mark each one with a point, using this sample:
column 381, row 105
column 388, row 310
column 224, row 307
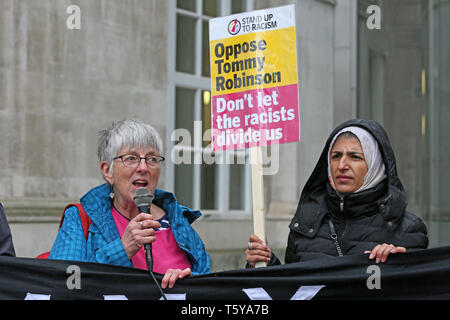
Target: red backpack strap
column 85, row 220
column 85, row 223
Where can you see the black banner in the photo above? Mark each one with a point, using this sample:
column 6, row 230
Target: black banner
column 423, row 274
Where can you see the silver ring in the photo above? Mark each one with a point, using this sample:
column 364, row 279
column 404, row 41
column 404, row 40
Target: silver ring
column 141, row 224
column 249, row 246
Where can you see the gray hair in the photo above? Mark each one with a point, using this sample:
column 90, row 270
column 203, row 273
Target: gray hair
column 127, row 132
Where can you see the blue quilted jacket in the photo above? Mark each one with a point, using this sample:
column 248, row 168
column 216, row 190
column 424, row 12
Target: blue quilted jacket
column 104, row 245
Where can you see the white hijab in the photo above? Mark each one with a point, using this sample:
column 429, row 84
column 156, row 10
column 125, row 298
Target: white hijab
column 376, row 170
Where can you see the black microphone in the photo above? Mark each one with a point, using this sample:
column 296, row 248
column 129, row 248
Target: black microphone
column 143, row 199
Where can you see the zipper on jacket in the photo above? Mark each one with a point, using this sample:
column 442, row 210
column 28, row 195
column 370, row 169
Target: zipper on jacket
column 334, row 237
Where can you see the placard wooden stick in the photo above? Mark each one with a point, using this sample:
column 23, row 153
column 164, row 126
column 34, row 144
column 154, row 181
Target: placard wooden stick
column 258, row 196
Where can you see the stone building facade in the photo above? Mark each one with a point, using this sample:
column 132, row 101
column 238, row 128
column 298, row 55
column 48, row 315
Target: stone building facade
column 60, row 86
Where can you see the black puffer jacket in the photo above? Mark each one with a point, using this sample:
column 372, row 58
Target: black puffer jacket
column 368, row 218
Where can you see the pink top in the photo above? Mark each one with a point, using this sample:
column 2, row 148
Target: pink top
column 166, row 252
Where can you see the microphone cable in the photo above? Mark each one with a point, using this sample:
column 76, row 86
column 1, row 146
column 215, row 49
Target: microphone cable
column 148, row 254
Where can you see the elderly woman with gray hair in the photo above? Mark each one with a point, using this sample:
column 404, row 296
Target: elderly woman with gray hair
column 117, row 231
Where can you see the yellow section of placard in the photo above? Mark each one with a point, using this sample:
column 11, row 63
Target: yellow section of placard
column 252, row 61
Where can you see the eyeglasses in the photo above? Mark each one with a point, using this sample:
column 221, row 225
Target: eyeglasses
column 132, row 160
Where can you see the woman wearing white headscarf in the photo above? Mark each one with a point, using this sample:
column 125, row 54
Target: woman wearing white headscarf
column 353, row 203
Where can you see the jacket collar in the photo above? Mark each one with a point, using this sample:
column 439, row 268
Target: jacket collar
column 167, row 201
column 97, row 204
column 354, row 204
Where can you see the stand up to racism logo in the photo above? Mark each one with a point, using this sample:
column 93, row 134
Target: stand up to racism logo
column 234, row 27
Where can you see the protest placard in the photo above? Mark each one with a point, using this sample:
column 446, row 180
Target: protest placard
column 254, row 79
column 254, row 88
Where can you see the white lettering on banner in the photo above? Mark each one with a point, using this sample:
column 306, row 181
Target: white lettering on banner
column 306, row 292
column 303, row 293
column 37, row 296
column 257, row 294
column 174, row 296
column 115, row 297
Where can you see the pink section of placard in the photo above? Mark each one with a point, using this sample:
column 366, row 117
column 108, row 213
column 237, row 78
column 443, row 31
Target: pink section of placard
column 255, row 118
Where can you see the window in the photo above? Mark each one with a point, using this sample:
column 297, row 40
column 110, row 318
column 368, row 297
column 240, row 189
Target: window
column 216, row 183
